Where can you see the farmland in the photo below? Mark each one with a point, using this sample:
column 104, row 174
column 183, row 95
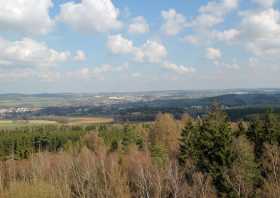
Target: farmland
column 70, row 121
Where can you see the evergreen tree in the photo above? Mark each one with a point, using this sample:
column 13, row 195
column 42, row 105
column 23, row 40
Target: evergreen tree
column 266, row 131
column 185, row 143
column 271, row 128
column 210, row 147
column 256, row 135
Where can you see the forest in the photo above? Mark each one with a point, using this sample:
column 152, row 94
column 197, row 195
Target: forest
column 207, row 156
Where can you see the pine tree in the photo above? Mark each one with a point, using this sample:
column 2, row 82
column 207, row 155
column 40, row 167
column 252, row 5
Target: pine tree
column 185, row 143
column 256, row 135
column 210, row 147
column 271, row 128
column 266, row 131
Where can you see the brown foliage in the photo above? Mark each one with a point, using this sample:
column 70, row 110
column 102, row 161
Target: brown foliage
column 271, row 163
column 166, row 132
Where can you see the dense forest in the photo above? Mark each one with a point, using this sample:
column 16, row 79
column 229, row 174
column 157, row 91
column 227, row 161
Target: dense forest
column 207, row 156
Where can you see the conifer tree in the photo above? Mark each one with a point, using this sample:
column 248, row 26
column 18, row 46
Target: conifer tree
column 210, row 147
column 256, row 135
column 271, row 128
column 185, row 142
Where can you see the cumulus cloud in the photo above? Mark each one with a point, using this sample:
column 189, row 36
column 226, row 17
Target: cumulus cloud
column 213, row 13
column 120, row 45
column 213, row 54
column 179, row 69
column 80, row 56
column 91, row 15
column 29, row 53
column 205, row 21
column 139, row 26
column 261, row 31
column 226, row 35
column 26, row 16
column 173, row 22
column 154, row 52
column 220, row 7
column 150, row 51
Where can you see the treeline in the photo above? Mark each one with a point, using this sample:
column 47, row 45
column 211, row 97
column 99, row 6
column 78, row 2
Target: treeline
column 203, row 157
column 20, row 142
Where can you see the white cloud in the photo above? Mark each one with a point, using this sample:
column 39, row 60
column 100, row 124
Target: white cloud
column 205, row 21
column 233, row 66
column 139, row 26
column 191, row 39
column 261, row 31
column 98, row 72
column 80, row 56
column 220, row 7
column 91, row 15
column 27, row 16
column 213, row 13
column 173, row 22
column 213, row 54
column 261, row 23
column 226, row 35
column 29, row 53
column 119, row 45
column 179, row 69
column 150, row 51
column 154, row 52
column 87, row 73
column 265, row 3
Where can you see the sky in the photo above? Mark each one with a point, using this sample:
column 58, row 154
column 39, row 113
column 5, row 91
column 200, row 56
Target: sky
column 49, row 46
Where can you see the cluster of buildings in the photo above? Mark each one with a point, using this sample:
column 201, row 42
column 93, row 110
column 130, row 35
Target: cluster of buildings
column 4, row 112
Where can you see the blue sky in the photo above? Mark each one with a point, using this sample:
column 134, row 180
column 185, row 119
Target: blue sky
column 131, row 45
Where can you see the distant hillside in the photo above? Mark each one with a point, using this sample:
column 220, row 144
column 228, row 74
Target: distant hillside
column 139, row 107
column 230, row 101
column 179, row 98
